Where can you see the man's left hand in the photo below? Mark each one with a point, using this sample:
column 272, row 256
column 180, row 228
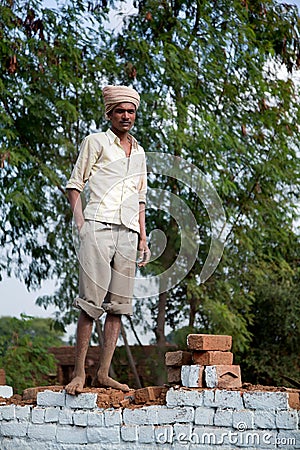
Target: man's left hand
column 144, row 253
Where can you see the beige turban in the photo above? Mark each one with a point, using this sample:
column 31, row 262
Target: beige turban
column 113, row 95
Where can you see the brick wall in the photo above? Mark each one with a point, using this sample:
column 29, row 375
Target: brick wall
column 202, row 419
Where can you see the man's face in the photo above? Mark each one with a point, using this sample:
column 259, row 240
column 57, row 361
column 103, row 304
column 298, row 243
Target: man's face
column 122, row 117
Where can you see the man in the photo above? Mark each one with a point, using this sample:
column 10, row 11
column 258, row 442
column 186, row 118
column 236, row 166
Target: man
column 111, row 229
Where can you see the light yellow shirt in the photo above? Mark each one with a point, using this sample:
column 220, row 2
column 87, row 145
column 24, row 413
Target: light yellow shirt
column 117, row 183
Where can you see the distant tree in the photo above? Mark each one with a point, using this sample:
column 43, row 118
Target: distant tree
column 24, row 350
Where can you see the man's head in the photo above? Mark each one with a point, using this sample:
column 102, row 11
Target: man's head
column 116, row 95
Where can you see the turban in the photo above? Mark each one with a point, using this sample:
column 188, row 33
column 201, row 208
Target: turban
column 113, row 95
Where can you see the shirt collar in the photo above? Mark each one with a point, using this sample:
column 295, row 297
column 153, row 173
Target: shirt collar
column 113, row 138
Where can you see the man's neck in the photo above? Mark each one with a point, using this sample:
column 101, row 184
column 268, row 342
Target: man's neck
column 124, row 137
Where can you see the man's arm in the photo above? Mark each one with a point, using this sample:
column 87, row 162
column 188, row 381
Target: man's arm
column 76, row 206
column 143, row 246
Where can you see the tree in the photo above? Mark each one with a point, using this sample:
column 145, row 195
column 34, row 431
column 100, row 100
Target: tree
column 24, row 350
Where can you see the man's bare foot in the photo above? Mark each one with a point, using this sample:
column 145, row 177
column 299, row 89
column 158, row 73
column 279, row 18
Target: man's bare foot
column 104, row 381
column 75, row 386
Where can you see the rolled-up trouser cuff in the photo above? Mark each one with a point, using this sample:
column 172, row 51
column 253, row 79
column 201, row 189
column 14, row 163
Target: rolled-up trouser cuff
column 113, row 308
column 93, row 311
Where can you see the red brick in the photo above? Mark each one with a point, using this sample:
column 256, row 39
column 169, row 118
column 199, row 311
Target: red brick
column 2, row 377
column 212, row 357
column 179, row 358
column 209, row 342
column 174, row 375
column 148, row 394
column 294, row 400
column 226, row 376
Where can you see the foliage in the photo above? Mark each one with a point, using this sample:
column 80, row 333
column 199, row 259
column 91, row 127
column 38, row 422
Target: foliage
column 24, row 350
column 216, row 86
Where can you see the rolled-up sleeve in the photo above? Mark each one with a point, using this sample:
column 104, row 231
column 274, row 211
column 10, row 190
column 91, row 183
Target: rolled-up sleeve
column 82, row 169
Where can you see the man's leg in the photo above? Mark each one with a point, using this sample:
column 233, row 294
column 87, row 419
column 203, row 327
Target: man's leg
column 84, row 331
column 111, row 333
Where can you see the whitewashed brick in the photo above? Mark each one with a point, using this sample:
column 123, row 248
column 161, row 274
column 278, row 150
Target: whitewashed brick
column 22, row 412
column 38, row 415
column 243, row 420
column 178, row 415
column 183, row 397
column 50, row 398
column 135, row 416
column 203, row 435
column 13, row 428
column 66, row 416
column 96, row 418
column 287, row 419
column 6, row 391
column 288, row 440
column 44, row 432
column 81, row 401
column 192, row 375
column 163, row 434
column 112, row 417
column 146, row 434
column 204, row 416
column 80, row 418
column 220, row 398
column 266, row 400
column 71, row 435
column 129, row 433
column 265, row 419
column 223, row 418
column 102, row 434
column 8, row 412
column 182, row 433
column 52, row 414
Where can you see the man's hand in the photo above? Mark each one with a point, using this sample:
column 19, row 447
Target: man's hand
column 144, row 252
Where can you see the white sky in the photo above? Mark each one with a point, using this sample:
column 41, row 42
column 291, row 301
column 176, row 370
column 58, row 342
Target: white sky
column 15, row 299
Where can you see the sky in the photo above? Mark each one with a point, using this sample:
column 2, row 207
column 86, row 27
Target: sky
column 15, row 299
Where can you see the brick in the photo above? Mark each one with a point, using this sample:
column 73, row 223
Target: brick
column 209, row 342
column 294, row 400
column 14, row 428
column 81, row 401
column 243, row 420
column 146, row 434
column 112, row 417
column 129, row 433
column 175, row 415
column 265, row 419
column 52, row 414
column 148, row 394
column 223, row 399
column 30, row 394
column 163, row 434
column 135, row 416
column 287, row 420
column 204, row 416
column 96, row 418
column 265, row 400
column 80, row 418
column 50, row 398
column 66, row 416
column 38, row 415
column 179, row 358
column 174, row 375
column 212, row 357
column 223, row 418
column 44, row 432
column 8, row 412
column 22, row 412
column 6, row 391
column 184, row 397
column 192, row 376
column 72, row 435
column 2, row 377
column 223, row 376
column 104, row 435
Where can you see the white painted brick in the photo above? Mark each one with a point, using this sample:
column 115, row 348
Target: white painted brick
column 81, row 401
column 183, row 397
column 163, row 434
column 152, row 414
column 112, row 417
column 190, row 375
column 266, row 400
column 204, row 416
column 17, row 444
column 109, row 435
column 66, row 416
column 223, row 418
column 182, row 433
column 175, row 415
column 38, row 415
column 204, row 435
column 243, row 420
column 44, row 432
column 8, row 412
column 146, row 434
column 135, row 416
column 288, row 440
column 22, row 412
column 6, row 391
column 50, row 398
column 71, row 435
column 265, row 419
column 220, row 398
column 52, row 414
column 96, row 418
column 129, row 433
column 80, row 418
column 13, row 428
column 287, row 419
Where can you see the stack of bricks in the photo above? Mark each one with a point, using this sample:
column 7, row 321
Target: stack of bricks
column 207, row 364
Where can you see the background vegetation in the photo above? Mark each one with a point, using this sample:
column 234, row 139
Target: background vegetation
column 216, row 79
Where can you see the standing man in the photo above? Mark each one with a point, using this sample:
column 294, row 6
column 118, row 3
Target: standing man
column 111, row 229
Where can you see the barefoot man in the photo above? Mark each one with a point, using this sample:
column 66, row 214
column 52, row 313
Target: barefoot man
column 111, row 229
